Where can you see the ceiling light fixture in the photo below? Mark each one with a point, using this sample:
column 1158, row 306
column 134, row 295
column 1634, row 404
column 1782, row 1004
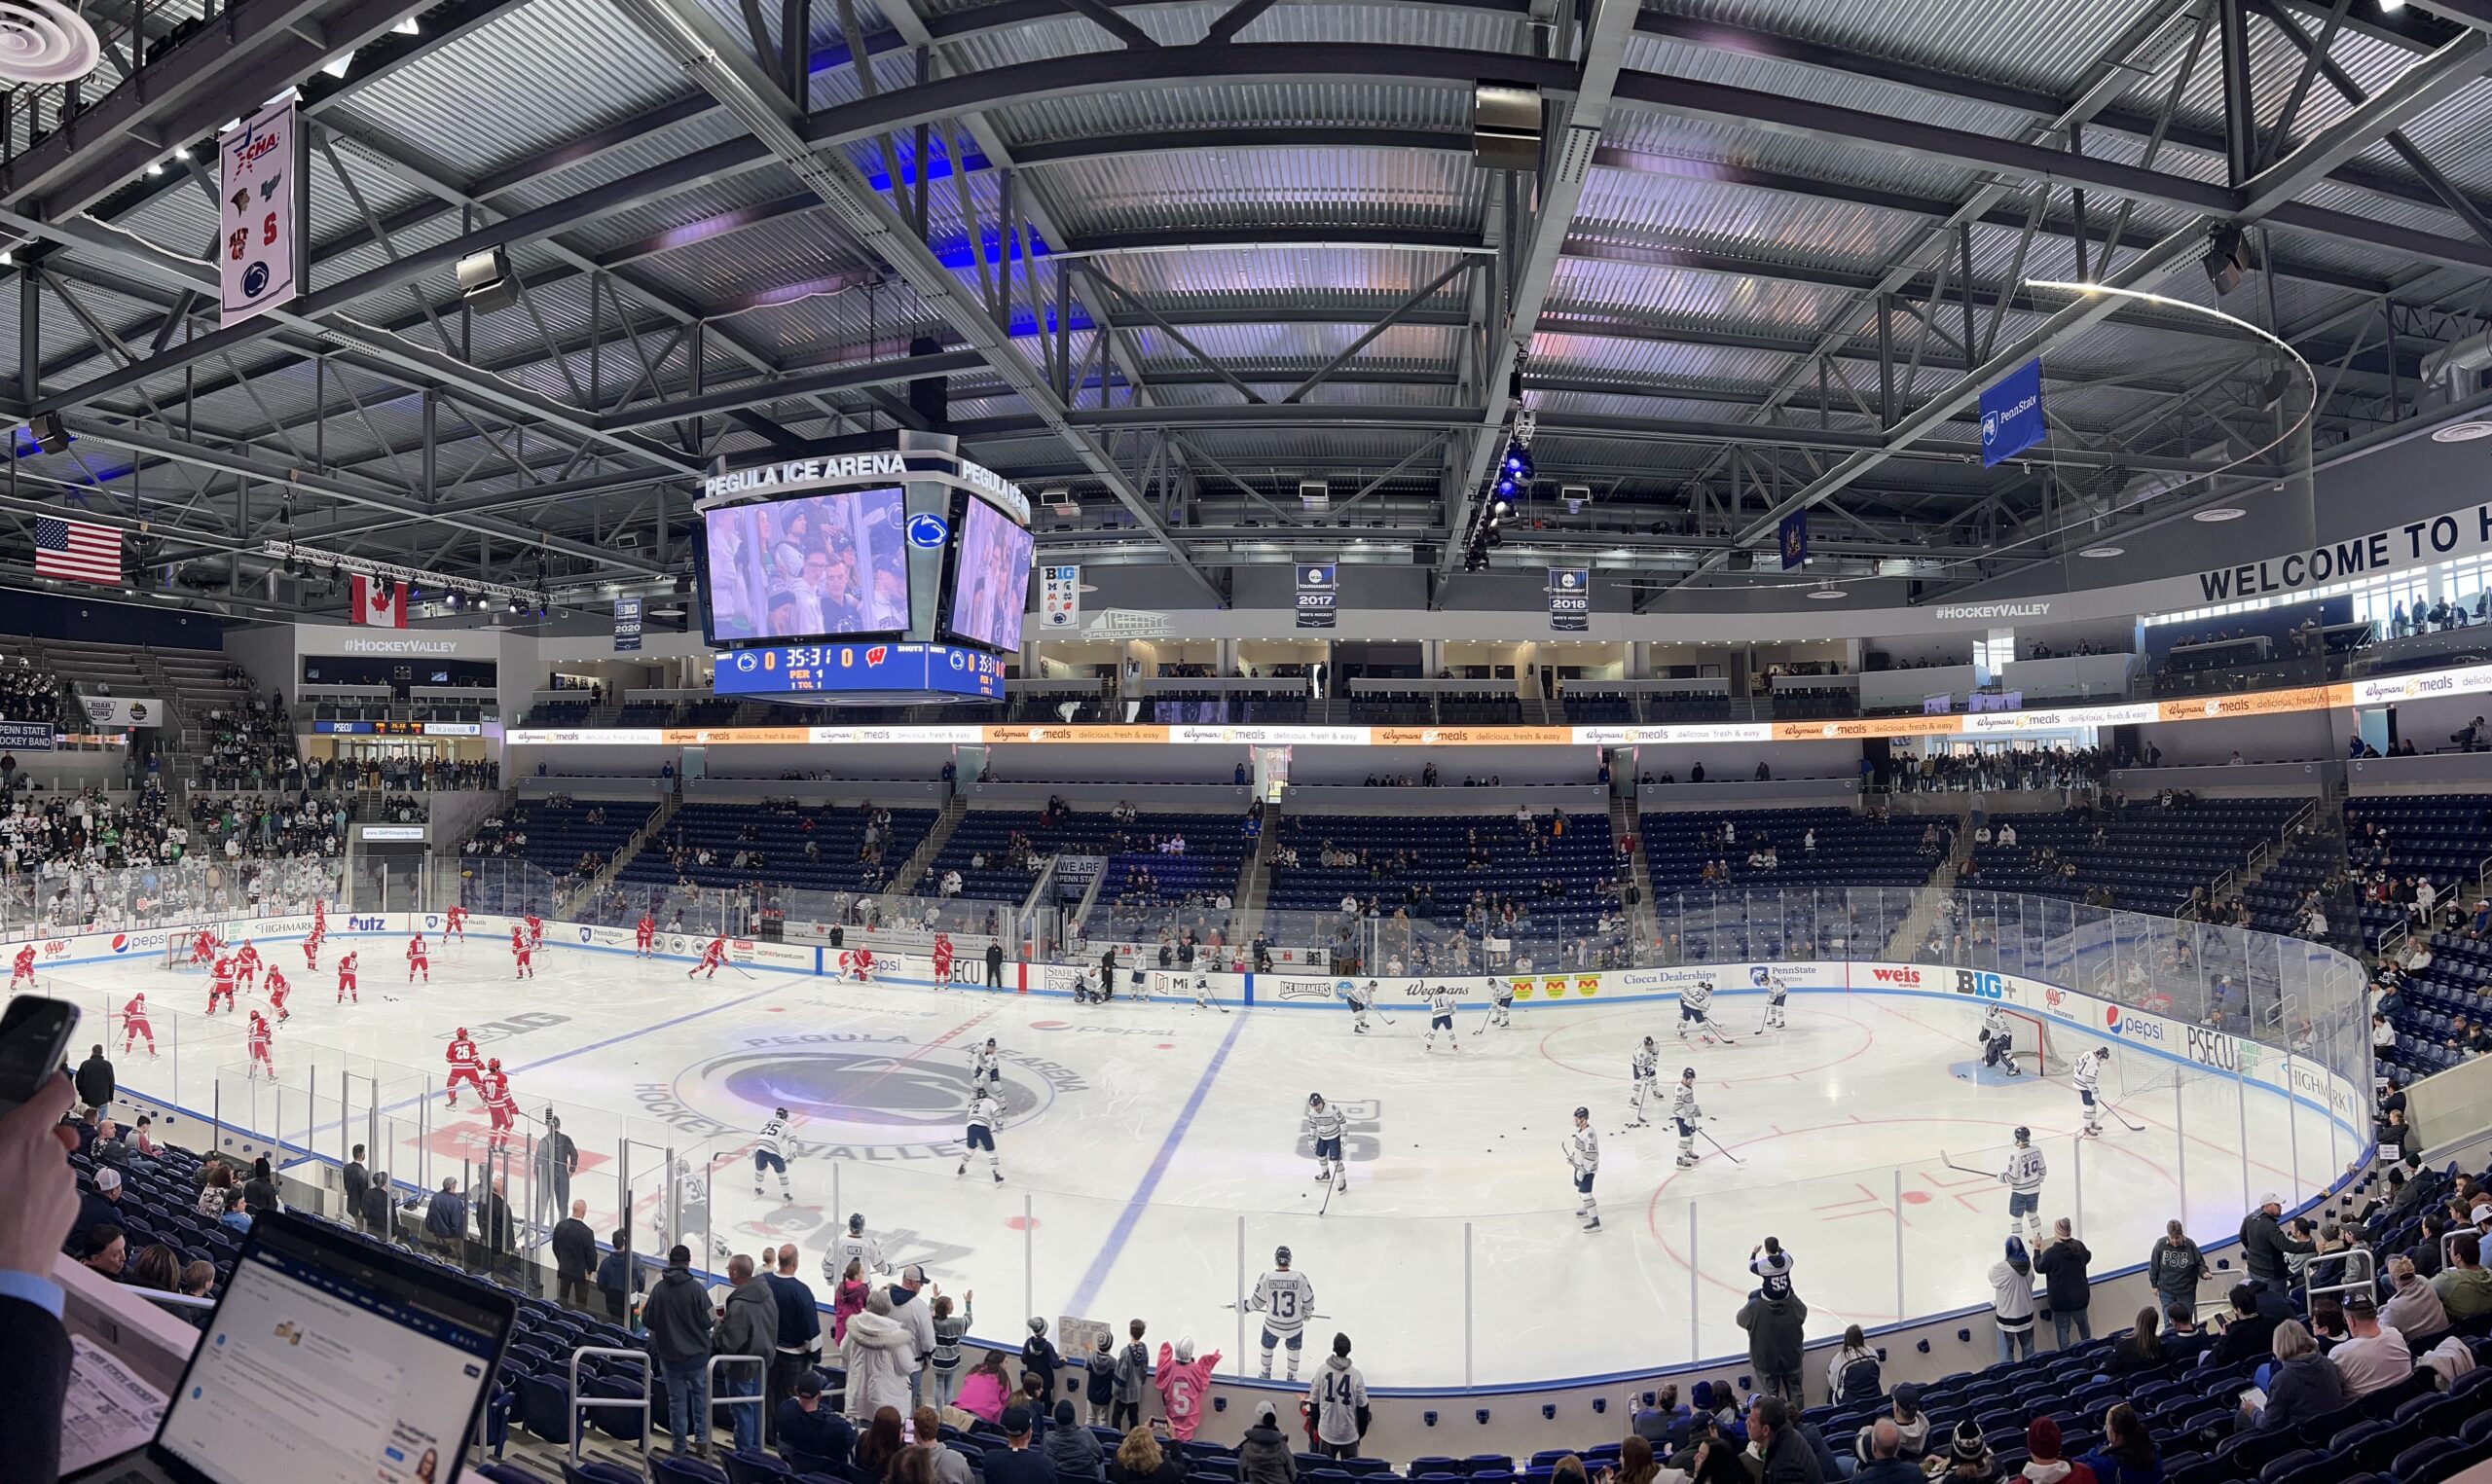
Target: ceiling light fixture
column 1826, row 594
column 2463, row 432
column 2217, row 514
column 2098, row 553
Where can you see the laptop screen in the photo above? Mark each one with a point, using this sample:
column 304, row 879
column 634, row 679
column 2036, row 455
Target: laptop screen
column 322, row 1367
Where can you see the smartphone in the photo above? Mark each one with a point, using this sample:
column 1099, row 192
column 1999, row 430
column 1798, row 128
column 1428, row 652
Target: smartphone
column 34, row 1037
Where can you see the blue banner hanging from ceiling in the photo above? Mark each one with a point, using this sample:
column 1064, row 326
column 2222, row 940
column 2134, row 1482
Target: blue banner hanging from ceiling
column 2012, row 414
column 1795, row 540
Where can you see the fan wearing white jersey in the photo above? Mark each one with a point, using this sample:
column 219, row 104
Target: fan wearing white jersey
column 985, row 1112
column 2023, row 1177
column 1583, row 1156
column 1684, row 1113
column 1440, row 1008
column 770, row 1152
column 1644, row 1070
column 1325, row 1123
column 1998, row 1046
column 2087, row 1074
column 1287, row 1301
column 1693, row 1003
column 852, row 1245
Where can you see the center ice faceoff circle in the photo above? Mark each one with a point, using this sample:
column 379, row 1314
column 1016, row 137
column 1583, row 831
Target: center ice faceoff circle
column 860, row 1089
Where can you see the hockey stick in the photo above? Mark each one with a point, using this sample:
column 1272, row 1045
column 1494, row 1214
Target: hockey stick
column 1330, row 1186
column 1959, row 1169
column 2134, row 1127
column 1708, row 1137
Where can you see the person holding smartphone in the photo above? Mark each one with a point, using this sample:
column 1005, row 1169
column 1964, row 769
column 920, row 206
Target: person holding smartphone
column 34, row 1347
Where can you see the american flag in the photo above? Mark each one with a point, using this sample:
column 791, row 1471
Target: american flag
column 77, row 551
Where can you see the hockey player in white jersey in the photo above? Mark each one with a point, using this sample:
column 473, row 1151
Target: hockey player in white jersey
column 1361, row 1000
column 1440, row 1008
column 852, row 1245
column 2023, row 1177
column 2087, row 1074
column 1501, row 1003
column 1287, row 1301
column 1998, row 1046
column 1202, row 994
column 1645, row 1072
column 1583, row 1156
column 986, row 1069
column 1778, row 990
column 770, row 1152
column 1684, row 1113
column 1324, row 1124
column 1694, row 1005
column 984, row 1113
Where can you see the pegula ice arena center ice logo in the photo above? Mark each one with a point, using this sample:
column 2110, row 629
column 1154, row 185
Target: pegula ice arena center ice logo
column 850, row 1095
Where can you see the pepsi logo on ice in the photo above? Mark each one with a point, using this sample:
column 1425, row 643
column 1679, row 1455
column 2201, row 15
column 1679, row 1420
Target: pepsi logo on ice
column 1980, row 985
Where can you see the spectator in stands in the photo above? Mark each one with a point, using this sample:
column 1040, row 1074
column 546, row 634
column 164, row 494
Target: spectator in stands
column 2264, row 1245
column 2184, row 1340
column 574, row 1255
column 616, row 1277
column 2375, row 1358
column 1851, row 1372
column 261, row 1188
column 216, row 1179
column 2176, row 1266
column 881, row 1443
column 1016, row 1462
column 2142, row 1349
column 237, row 1211
column 1661, row 1420
column 105, row 1250
column 807, row 1427
column 879, row 1353
column 2303, row 1384
column 1339, row 1395
column 1775, row 1319
column 677, row 1316
column 748, row 1326
column 2465, row 1286
column 157, row 1267
column 1074, row 1451
column 2062, row 1263
column 95, row 1079
column 2127, row 1453
column 945, row 1465
column 1785, row 1454
column 103, row 1203
column 445, row 1218
column 2011, row 1283
column 1710, row 1457
column 1882, row 1456
column 1139, row 1460
column 1969, row 1459
column 798, row 1347
column 2413, row 1308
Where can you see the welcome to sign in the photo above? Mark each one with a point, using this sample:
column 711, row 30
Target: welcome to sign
column 2458, row 533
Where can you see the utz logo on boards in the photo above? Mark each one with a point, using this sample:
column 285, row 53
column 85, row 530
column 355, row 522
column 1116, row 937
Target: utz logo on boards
column 1909, row 978
column 367, row 925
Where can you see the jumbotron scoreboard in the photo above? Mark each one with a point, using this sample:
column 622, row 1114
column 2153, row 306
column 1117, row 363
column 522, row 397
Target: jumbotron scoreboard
column 883, row 577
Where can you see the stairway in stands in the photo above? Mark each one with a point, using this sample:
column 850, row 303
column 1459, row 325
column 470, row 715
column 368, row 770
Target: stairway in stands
column 1642, row 921
column 1254, row 884
column 905, row 879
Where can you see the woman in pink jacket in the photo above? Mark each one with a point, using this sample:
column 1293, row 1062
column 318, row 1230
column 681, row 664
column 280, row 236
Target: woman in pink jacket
column 985, row 1389
column 1184, row 1382
column 849, row 1299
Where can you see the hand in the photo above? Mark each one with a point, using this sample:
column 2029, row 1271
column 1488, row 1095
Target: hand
column 34, row 1167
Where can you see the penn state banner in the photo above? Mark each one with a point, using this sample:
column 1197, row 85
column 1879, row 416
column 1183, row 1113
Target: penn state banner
column 1060, row 597
column 255, row 213
column 1318, row 593
column 1570, row 598
column 2012, row 414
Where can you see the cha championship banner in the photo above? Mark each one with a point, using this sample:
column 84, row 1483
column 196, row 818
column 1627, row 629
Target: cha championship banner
column 255, row 213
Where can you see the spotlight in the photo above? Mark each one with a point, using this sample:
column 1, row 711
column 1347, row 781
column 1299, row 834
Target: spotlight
column 2227, row 258
column 1501, row 510
column 154, row 168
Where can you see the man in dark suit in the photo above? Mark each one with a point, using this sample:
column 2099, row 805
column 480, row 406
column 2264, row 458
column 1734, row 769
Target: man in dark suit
column 95, row 1079
column 574, row 1255
column 34, row 1348
column 493, row 1222
column 358, row 1180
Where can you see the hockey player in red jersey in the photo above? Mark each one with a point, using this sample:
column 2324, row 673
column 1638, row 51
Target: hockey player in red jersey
column 522, row 955
column 312, row 948
column 203, row 948
column 453, row 924
column 710, row 958
column 259, row 1041
column 246, row 966
column 319, row 916
column 644, row 937
column 463, row 1065
column 858, row 963
column 418, row 959
column 278, row 989
column 220, row 985
column 345, row 980
column 535, row 929
column 500, row 1106
column 943, row 958
column 23, row 971
column 133, row 1024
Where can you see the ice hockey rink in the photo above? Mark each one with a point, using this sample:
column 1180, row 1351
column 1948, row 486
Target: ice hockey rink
column 1153, row 1154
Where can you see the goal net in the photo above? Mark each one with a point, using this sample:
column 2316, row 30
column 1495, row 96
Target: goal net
column 177, row 947
column 2038, row 1048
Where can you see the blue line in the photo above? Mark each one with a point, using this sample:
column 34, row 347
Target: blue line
column 1106, row 1258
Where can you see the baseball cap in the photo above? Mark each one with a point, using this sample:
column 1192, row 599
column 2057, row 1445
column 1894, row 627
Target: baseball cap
column 1016, row 1420
column 2271, row 1199
column 809, row 1384
column 913, row 1273
column 108, row 1179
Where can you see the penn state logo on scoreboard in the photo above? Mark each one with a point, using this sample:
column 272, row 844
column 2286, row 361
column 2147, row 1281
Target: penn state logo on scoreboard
column 928, row 531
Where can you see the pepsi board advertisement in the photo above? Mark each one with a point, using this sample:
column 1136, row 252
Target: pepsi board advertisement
column 885, row 670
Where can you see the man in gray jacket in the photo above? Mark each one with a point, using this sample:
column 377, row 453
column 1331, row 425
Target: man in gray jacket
column 749, row 1327
column 915, row 1312
column 1775, row 1319
column 677, row 1316
column 1338, row 1396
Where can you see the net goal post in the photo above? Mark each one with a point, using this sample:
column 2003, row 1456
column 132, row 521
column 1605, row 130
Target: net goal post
column 2038, row 1045
column 176, row 956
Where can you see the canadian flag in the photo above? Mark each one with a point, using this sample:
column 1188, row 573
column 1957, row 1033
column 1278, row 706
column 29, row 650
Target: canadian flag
column 378, row 603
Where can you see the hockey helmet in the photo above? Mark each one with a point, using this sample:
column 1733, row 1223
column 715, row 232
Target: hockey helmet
column 990, row 1043
column 781, row 1112
column 1583, row 1115
column 1315, row 1100
column 2023, row 1135
column 462, row 1032
column 855, row 1222
column 1648, row 1042
column 1280, row 1256
column 492, row 1064
column 1687, row 1073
